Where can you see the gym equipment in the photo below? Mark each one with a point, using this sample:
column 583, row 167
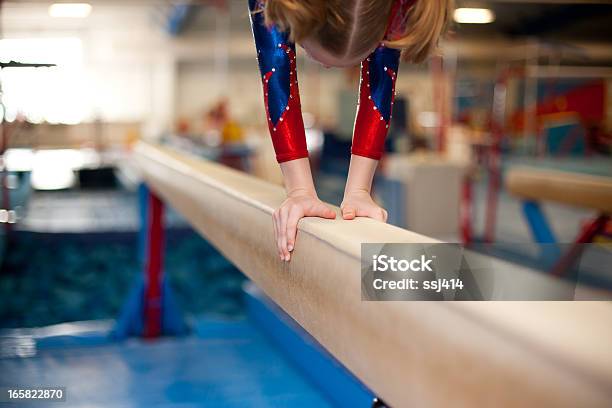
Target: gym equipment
column 407, row 352
column 581, row 190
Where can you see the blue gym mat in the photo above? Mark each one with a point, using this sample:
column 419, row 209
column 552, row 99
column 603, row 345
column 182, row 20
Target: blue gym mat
column 224, row 363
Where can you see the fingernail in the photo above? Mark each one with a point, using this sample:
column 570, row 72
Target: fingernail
column 282, row 258
column 290, row 247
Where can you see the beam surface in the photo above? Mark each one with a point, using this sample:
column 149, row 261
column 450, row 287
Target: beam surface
column 409, row 353
column 579, row 190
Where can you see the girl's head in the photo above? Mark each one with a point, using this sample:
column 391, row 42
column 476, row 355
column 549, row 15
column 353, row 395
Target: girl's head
column 344, row 32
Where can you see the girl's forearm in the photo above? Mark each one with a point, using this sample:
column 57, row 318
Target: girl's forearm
column 298, row 177
column 361, row 174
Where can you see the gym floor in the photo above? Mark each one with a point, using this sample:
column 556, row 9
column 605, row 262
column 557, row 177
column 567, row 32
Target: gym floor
column 223, row 363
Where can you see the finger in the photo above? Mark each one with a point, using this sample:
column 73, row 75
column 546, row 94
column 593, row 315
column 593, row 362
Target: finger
column 348, row 212
column 323, row 211
column 284, row 214
column 294, row 217
column 278, row 239
column 361, row 212
column 319, row 209
column 274, row 227
column 376, row 213
column 277, row 234
column 328, row 212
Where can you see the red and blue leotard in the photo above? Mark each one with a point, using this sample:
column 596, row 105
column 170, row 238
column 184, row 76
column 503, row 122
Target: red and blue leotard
column 276, row 56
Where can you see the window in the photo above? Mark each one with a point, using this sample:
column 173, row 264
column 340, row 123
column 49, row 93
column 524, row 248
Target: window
column 55, row 95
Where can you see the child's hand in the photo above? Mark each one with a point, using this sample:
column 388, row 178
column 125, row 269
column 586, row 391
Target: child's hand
column 296, row 206
column 360, row 204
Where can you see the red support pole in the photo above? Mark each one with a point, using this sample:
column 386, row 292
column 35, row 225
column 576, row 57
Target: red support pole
column 494, row 184
column 466, row 210
column 588, row 233
column 153, row 268
column 494, row 158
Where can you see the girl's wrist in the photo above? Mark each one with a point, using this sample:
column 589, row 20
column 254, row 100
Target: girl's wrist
column 301, row 192
column 358, row 190
column 361, row 174
column 298, row 178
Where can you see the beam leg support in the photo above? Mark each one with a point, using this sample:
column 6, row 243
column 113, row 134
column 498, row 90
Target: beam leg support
column 466, row 215
column 153, row 268
column 540, row 228
column 541, row 232
column 150, row 310
column 586, row 236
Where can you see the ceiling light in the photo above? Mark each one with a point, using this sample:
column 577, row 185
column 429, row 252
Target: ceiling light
column 70, row 10
column 474, row 15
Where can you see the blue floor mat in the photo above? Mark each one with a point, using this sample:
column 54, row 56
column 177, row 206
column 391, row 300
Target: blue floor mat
column 50, row 278
column 223, row 364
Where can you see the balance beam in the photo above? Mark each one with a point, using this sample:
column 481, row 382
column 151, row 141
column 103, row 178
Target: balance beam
column 579, row 190
column 408, row 353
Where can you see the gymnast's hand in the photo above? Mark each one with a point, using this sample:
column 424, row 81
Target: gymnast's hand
column 299, row 204
column 357, row 199
column 360, row 204
column 302, row 201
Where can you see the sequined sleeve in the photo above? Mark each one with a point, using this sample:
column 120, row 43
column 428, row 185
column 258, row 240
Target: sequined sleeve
column 277, row 66
column 377, row 89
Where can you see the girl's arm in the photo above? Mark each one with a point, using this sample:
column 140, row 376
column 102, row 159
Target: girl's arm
column 376, row 99
column 277, row 65
column 374, row 112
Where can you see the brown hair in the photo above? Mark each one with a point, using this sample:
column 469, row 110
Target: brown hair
column 347, row 28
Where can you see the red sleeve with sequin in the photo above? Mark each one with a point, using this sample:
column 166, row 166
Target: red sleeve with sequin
column 377, row 89
column 277, row 65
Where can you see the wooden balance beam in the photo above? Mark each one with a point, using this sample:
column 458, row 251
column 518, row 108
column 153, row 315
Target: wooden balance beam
column 580, row 190
column 409, row 353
